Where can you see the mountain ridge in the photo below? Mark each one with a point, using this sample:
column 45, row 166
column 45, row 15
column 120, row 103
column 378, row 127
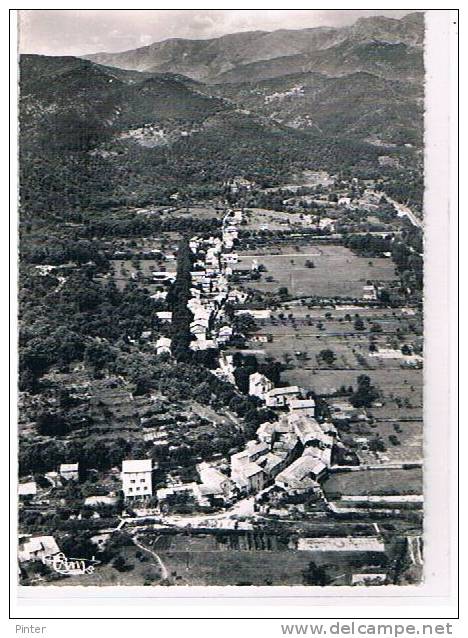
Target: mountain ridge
column 217, row 59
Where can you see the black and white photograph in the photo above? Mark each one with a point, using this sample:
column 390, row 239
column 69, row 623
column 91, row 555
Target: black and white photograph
column 221, row 299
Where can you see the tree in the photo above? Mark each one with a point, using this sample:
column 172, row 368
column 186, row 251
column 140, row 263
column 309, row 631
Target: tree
column 365, row 394
column 328, row 356
column 98, row 354
column 316, row 575
column 359, row 324
column 52, row 424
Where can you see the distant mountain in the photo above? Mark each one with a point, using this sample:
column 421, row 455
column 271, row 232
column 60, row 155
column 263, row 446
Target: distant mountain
column 133, row 128
column 383, row 46
column 75, row 103
column 96, row 136
column 359, row 105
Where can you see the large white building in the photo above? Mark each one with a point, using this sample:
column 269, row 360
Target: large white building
column 137, row 479
column 259, row 385
column 69, row 471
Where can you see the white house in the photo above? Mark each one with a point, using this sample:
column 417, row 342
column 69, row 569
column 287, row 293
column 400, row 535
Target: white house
column 137, row 479
column 259, row 385
column 69, row 471
column 163, row 345
column 28, row 489
column 164, row 316
column 198, row 329
column 265, row 432
column 369, row 293
column 224, row 334
column 226, row 367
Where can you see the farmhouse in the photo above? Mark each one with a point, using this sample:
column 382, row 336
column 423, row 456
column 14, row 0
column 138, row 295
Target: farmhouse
column 250, row 477
column 69, row 471
column 309, row 432
column 245, row 471
column 203, row 344
column 137, row 480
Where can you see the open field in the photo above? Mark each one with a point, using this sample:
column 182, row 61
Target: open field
column 394, row 381
column 265, row 219
column 338, row 272
column 125, row 271
column 242, row 567
column 409, row 449
column 374, row 482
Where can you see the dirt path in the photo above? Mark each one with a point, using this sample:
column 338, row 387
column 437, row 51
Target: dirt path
column 162, row 566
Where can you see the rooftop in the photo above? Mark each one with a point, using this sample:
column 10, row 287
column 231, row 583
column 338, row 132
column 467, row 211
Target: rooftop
column 69, row 467
column 290, row 389
column 143, row 465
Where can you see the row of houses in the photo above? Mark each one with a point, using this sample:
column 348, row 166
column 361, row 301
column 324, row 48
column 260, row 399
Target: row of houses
column 294, row 452
column 209, row 291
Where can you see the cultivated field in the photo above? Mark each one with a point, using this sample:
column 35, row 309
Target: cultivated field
column 337, row 273
column 373, row 482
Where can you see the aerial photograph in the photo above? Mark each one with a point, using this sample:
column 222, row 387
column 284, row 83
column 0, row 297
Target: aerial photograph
column 220, row 285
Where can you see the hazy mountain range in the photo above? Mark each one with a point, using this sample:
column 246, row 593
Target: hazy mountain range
column 385, row 46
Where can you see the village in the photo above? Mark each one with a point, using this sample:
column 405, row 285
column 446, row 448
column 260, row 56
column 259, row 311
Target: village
column 263, row 313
